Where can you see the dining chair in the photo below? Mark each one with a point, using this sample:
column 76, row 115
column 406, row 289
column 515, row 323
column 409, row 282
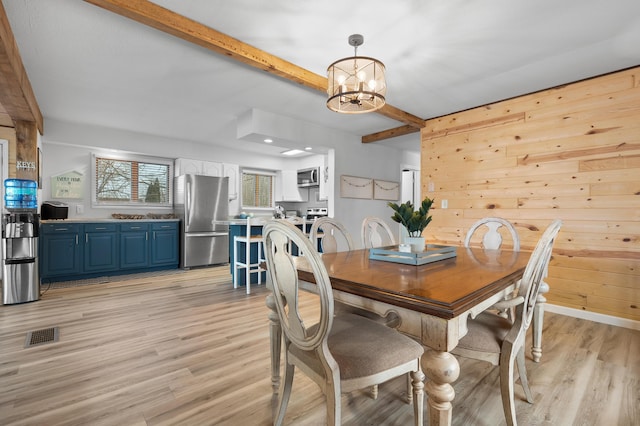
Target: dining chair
column 341, row 353
column 492, row 239
column 245, row 243
column 332, row 234
column 491, row 337
column 376, row 233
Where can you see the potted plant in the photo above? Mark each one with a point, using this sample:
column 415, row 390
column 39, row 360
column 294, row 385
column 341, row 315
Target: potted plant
column 414, row 221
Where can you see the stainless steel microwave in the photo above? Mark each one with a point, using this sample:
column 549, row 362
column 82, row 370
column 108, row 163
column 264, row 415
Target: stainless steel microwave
column 309, row 177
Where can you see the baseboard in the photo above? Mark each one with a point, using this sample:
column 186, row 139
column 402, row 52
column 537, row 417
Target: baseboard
column 593, row 316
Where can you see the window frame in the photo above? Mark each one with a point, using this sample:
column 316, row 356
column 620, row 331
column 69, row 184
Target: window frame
column 132, row 158
column 262, row 172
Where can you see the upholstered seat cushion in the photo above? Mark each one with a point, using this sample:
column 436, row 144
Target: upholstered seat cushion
column 363, row 347
column 486, row 333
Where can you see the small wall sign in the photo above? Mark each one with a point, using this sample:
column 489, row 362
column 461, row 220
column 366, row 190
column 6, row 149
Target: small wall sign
column 67, row 185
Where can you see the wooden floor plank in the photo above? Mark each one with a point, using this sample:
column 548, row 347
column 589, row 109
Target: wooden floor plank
column 187, row 349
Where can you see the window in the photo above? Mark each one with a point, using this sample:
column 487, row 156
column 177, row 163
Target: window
column 257, row 189
column 132, row 181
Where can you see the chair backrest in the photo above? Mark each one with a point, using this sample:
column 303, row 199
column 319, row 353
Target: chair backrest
column 376, row 233
column 492, row 239
column 534, row 274
column 285, row 286
column 333, row 235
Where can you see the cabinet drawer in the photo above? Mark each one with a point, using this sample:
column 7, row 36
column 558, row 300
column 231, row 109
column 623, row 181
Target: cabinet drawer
column 54, row 228
column 134, row 227
column 100, row 227
column 164, row 226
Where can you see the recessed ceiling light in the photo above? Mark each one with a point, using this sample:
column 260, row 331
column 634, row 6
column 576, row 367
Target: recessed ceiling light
column 308, row 148
column 268, row 140
column 292, row 152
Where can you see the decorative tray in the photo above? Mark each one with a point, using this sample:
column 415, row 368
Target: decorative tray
column 433, row 253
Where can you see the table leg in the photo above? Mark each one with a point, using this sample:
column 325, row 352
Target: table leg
column 538, row 319
column 441, row 369
column 275, row 335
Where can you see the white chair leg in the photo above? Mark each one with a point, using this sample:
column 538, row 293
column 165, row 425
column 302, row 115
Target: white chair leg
column 538, row 322
column 235, row 263
column 417, row 390
column 258, row 262
column 247, row 260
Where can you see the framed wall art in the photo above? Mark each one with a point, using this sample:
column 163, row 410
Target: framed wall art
column 356, row 187
column 386, row 190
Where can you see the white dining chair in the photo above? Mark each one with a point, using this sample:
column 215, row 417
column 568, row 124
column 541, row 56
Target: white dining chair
column 340, row 352
column 492, row 239
column 496, row 339
column 376, row 233
column 332, row 234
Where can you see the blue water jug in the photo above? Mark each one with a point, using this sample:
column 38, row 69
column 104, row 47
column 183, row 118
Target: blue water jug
column 20, row 194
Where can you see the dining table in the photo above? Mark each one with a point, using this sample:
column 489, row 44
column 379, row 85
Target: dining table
column 430, row 302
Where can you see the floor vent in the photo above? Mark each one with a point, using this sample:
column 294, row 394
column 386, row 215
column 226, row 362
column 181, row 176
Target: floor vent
column 40, row 337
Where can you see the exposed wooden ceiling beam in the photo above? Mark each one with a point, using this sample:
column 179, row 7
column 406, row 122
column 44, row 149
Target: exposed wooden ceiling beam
column 16, row 94
column 167, row 21
column 390, row 133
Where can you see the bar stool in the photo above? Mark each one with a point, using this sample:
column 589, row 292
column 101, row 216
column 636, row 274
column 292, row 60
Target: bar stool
column 249, row 267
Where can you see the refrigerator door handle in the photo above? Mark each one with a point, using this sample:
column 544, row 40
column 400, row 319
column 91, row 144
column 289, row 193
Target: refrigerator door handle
column 205, row 234
column 187, row 202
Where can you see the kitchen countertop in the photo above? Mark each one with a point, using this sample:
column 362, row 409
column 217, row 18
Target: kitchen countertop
column 261, row 220
column 105, row 219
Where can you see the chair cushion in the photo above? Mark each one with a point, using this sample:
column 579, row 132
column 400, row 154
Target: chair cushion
column 486, row 333
column 363, row 347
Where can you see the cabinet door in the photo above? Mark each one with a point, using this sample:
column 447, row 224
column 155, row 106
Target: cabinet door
column 232, row 171
column 211, row 168
column 290, row 190
column 164, row 244
column 100, row 248
column 61, row 249
column 323, row 192
column 186, row 166
column 134, row 245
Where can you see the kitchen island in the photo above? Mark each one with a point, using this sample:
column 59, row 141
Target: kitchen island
column 239, row 227
column 72, row 249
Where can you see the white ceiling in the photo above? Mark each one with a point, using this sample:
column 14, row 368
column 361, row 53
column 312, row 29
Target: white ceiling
column 91, row 66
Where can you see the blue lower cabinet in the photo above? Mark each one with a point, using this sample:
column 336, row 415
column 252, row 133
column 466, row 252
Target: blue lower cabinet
column 164, row 244
column 60, row 249
column 100, row 248
column 71, row 251
column 134, row 245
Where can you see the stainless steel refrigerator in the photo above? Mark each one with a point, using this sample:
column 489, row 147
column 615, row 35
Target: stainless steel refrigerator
column 199, row 201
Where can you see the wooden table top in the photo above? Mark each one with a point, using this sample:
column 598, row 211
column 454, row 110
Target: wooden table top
column 445, row 288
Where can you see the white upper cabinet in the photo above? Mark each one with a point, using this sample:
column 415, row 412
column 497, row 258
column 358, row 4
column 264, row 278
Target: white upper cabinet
column 187, row 166
column 287, row 187
column 232, row 171
column 210, row 168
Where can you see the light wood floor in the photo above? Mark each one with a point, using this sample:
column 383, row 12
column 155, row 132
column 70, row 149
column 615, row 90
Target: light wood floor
column 187, row 349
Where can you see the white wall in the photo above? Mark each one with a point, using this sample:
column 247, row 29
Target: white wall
column 67, row 147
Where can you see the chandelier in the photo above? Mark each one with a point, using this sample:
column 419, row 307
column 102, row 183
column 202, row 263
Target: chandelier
column 356, row 84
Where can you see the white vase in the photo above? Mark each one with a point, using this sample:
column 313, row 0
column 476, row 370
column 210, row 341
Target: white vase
column 417, row 244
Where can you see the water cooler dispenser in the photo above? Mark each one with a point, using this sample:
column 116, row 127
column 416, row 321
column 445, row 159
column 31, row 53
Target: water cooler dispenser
column 20, row 229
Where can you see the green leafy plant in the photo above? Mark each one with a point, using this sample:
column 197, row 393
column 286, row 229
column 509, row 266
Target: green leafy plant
column 413, row 220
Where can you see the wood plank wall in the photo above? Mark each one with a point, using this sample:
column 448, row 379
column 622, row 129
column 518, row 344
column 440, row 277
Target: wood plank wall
column 571, row 152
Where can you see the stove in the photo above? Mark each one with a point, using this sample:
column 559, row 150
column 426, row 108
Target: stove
column 316, row 212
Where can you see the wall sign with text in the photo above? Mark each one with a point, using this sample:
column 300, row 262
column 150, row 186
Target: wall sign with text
column 67, row 185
